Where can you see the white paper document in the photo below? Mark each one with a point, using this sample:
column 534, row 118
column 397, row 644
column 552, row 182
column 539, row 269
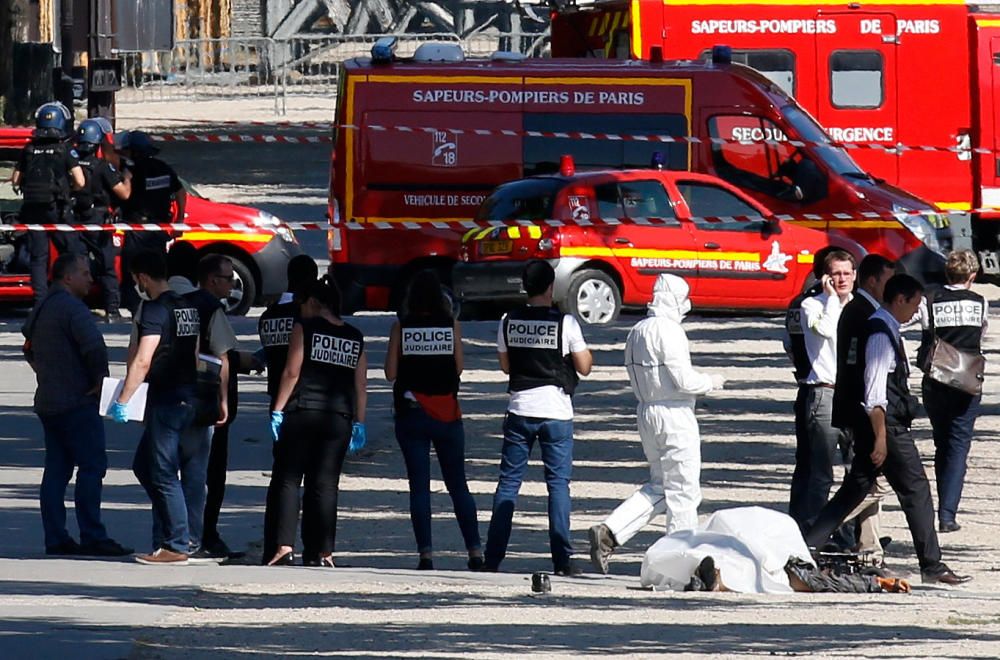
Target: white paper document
column 136, row 407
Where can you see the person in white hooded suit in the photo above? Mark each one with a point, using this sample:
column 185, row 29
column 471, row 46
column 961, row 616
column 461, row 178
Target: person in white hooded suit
column 660, row 372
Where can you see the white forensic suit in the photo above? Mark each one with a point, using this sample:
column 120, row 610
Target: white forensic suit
column 750, row 546
column 666, row 385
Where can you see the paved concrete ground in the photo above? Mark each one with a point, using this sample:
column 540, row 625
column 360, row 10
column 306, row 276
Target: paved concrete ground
column 374, row 605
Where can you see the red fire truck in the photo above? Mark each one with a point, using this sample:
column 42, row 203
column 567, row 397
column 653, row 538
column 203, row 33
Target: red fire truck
column 885, row 72
column 505, row 118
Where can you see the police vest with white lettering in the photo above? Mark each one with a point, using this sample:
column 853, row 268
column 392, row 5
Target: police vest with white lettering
column 174, row 365
column 427, row 357
column 956, row 316
column 275, row 330
column 796, row 334
column 151, row 192
column 331, row 356
column 535, row 350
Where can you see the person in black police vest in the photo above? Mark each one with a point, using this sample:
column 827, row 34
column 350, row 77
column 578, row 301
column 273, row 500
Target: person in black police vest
column 275, row 330
column 46, row 173
column 545, row 353
column 105, row 189
column 165, row 356
column 424, row 362
column 217, row 343
column 882, row 410
column 155, row 186
column 957, row 315
column 320, row 405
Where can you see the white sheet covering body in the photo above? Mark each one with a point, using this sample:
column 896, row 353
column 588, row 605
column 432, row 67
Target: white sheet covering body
column 750, row 546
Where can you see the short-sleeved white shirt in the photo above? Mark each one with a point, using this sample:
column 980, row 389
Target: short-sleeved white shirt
column 547, row 401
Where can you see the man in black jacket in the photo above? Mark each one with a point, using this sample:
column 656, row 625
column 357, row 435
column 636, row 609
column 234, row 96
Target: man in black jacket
column 881, row 410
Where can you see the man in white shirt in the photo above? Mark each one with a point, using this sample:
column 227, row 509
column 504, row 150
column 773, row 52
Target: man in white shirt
column 544, row 353
column 819, row 444
column 881, row 414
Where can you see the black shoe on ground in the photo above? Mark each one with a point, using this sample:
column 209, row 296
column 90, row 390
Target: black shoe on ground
column 425, row 564
column 569, row 569
column 884, row 541
column 476, row 563
column 105, row 548
column 203, row 556
column 707, row 574
column 946, row 526
column 69, row 547
column 220, row 550
column 943, row 575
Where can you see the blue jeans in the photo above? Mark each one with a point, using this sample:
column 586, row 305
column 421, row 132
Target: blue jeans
column 953, row 415
column 157, row 462
column 415, row 433
column 73, row 439
column 195, row 449
column 555, row 437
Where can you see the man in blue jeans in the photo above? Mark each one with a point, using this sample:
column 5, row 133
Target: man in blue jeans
column 70, row 360
column 544, row 353
column 165, row 356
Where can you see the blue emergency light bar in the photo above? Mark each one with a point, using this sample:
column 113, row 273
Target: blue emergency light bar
column 384, row 50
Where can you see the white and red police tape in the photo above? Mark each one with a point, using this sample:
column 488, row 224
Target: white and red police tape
column 473, row 224
column 251, row 137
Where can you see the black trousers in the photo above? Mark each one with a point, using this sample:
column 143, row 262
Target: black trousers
column 218, row 464
column 39, row 242
column 311, row 447
column 102, row 248
column 904, row 472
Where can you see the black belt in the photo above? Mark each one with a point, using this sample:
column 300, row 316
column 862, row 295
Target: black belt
column 826, row 385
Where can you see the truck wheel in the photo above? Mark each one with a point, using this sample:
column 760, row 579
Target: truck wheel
column 593, row 297
column 244, row 290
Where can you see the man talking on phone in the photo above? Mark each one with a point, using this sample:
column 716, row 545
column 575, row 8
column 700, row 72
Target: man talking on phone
column 819, row 444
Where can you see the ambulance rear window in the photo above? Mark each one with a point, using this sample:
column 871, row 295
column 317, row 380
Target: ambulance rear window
column 777, row 65
column 521, row 200
column 541, row 154
column 856, row 79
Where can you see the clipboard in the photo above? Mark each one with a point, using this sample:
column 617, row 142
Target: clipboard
column 136, row 407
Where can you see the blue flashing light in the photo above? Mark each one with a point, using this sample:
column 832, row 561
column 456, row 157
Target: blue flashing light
column 384, row 50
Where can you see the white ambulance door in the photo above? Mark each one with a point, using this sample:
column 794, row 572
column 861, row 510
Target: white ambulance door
column 857, row 85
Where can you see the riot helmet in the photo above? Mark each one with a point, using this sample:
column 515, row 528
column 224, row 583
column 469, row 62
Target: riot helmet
column 89, row 135
column 141, row 145
column 53, row 120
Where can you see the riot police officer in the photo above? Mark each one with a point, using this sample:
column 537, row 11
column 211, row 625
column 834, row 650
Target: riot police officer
column 155, row 186
column 46, row 173
column 105, row 189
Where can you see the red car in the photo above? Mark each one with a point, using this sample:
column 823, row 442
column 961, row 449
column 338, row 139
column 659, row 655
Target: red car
column 731, row 250
column 260, row 257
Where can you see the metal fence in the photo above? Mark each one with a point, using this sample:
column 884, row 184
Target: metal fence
column 241, row 67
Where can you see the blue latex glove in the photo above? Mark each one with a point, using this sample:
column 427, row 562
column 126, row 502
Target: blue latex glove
column 277, row 417
column 118, row 412
column 359, row 438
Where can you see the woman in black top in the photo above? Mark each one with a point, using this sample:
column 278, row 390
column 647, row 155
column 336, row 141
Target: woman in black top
column 323, row 391
column 424, row 359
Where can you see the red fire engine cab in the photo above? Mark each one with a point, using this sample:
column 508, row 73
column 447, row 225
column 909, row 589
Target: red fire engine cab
column 885, row 72
column 428, row 138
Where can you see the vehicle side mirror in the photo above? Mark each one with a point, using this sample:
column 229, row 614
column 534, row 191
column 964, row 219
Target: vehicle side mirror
column 771, row 227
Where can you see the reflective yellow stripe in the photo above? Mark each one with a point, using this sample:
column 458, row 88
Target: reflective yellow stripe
column 956, row 206
column 636, row 30
column 513, row 232
column 594, row 22
column 595, row 251
column 846, row 224
column 483, row 233
column 467, row 235
column 534, row 231
column 804, row 258
column 235, row 236
column 988, row 23
column 604, row 24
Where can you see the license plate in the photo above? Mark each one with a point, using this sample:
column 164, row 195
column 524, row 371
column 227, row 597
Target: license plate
column 496, row 247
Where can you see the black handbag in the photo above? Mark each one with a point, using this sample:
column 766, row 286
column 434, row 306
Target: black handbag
column 954, row 367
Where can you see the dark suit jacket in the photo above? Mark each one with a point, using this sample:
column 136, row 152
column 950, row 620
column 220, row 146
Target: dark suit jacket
column 850, row 386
